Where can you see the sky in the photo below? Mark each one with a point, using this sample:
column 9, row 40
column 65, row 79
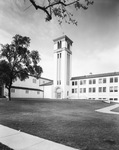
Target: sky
column 95, row 40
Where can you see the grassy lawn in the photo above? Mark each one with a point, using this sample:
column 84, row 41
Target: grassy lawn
column 72, row 123
column 3, row 147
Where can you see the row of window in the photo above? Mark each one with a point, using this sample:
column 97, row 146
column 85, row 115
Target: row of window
column 100, row 80
column 111, row 99
column 59, row 45
column 93, row 89
column 26, row 91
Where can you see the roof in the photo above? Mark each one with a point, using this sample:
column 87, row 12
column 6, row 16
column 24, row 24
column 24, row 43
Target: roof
column 26, row 88
column 63, row 37
column 47, row 84
column 95, row 76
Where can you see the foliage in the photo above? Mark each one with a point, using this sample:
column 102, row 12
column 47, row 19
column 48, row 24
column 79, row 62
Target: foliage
column 61, row 8
column 18, row 62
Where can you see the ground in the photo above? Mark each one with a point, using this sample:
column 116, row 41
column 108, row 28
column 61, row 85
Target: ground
column 70, row 122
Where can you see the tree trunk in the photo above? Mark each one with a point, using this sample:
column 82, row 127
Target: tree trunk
column 9, row 93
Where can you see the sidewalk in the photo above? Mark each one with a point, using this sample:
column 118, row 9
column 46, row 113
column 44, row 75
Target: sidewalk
column 109, row 109
column 22, row 141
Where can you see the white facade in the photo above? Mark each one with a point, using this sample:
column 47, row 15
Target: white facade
column 26, row 89
column 30, row 88
column 96, row 87
column 62, row 67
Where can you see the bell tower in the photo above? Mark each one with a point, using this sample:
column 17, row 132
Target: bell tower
column 62, row 67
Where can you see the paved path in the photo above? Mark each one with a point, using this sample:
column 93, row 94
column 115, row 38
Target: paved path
column 108, row 109
column 22, row 141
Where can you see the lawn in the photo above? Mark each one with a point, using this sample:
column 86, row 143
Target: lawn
column 74, row 122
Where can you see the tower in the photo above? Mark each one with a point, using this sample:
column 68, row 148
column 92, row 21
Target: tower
column 62, row 67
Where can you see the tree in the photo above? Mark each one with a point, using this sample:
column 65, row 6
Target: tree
column 60, row 8
column 17, row 62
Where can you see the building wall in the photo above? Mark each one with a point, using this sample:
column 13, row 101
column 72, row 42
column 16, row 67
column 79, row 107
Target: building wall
column 96, row 88
column 25, row 89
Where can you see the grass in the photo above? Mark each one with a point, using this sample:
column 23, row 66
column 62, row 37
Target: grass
column 74, row 122
column 116, row 109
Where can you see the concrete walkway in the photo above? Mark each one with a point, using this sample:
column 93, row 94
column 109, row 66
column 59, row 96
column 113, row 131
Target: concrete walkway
column 22, row 141
column 108, row 109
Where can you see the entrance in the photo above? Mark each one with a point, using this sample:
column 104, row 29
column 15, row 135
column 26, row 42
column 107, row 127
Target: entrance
column 58, row 92
column 58, row 95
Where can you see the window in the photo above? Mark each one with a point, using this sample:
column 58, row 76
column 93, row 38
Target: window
column 111, row 99
column 116, row 79
column 111, row 80
column 115, row 88
column 89, row 90
column 100, row 80
column 94, row 81
column 81, row 82
column 94, row 90
column 72, row 82
column 12, row 90
column 104, row 80
column 27, row 91
column 111, row 89
column 84, row 81
column 100, row 89
column 80, row 90
column 68, row 46
column 34, row 80
column 67, row 93
column 104, row 89
column 72, row 90
column 75, row 90
column 59, row 44
column 84, row 90
column 75, row 82
column 90, row 81
column 38, row 92
column 115, row 99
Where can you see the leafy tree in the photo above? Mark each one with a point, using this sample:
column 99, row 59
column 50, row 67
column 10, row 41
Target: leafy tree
column 17, row 62
column 60, row 8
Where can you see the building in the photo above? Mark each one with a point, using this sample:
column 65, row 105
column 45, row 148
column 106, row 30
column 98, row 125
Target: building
column 62, row 67
column 97, row 87
column 29, row 88
column 94, row 86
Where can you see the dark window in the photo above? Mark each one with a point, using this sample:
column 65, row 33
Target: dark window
column 94, row 81
column 111, row 80
column 59, row 44
column 68, row 46
column 84, row 90
column 73, row 83
column 72, row 90
column 90, row 81
column 81, row 82
column 116, row 79
column 104, row 89
column 94, row 90
column 104, row 80
column 100, row 89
